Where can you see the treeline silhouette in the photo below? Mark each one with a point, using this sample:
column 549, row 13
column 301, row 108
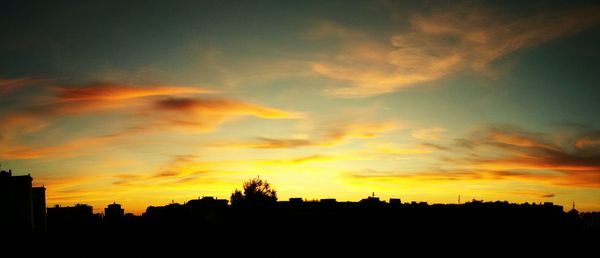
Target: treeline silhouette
column 254, row 219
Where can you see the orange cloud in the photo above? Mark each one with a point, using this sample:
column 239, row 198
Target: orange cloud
column 114, row 92
column 104, row 96
column 99, row 97
column 439, row 43
column 221, row 106
column 204, row 115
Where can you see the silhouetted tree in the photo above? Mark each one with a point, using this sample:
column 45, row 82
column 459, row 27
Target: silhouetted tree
column 256, row 192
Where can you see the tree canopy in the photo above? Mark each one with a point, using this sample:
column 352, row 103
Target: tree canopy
column 255, row 192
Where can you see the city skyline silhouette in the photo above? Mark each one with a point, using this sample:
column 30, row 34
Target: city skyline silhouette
column 394, row 199
column 208, row 223
column 144, row 103
column 281, row 128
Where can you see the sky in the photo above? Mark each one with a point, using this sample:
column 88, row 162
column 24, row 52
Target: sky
column 150, row 102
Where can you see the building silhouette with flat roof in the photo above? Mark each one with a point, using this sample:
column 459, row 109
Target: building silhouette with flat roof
column 38, row 198
column 78, row 218
column 114, row 211
column 23, row 207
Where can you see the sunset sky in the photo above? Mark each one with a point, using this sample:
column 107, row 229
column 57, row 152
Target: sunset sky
column 143, row 103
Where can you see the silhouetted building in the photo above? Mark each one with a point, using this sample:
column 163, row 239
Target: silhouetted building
column 206, row 222
column 207, row 202
column 38, row 197
column 395, row 201
column 113, row 212
column 23, row 207
column 75, row 218
column 296, row 200
column 371, row 199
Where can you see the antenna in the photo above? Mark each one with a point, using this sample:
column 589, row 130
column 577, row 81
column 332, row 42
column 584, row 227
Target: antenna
column 373, row 195
column 573, row 205
column 459, row 199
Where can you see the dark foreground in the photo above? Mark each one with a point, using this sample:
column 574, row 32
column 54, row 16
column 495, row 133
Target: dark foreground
column 205, row 228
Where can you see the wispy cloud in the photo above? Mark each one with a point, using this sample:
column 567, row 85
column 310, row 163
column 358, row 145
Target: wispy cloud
column 278, row 143
column 504, row 152
column 429, row 134
column 519, row 152
column 394, row 149
column 590, row 140
column 441, row 175
column 7, row 85
column 178, row 168
column 438, row 43
column 77, row 147
column 334, row 135
column 300, row 160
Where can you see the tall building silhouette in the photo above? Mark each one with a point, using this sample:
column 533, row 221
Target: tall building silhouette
column 23, row 206
column 38, row 198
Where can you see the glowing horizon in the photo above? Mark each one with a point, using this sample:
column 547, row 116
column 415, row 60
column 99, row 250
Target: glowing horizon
column 101, row 102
